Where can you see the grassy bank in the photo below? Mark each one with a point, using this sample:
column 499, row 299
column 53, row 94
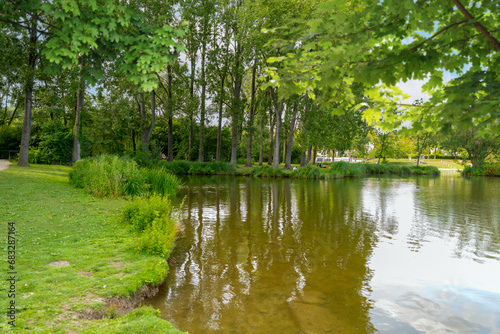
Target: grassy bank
column 340, row 170
column 488, row 169
column 75, row 260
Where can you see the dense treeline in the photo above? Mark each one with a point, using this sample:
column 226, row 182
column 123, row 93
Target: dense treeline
column 249, row 82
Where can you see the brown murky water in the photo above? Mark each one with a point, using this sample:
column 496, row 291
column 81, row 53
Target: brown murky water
column 388, row 255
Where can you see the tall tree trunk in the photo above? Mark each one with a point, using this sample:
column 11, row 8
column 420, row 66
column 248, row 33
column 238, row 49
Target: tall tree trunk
column 170, row 144
column 201, row 151
column 234, row 139
column 238, row 78
column 252, row 115
column 271, row 136
column 147, row 128
column 315, row 153
column 133, row 141
column 288, row 159
column 191, row 112
column 261, row 153
column 277, row 137
column 382, row 150
column 79, row 108
column 303, row 159
column 28, row 97
column 309, row 152
column 219, row 126
column 418, row 151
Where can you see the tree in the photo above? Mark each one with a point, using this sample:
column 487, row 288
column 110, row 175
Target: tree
column 478, row 147
column 375, row 41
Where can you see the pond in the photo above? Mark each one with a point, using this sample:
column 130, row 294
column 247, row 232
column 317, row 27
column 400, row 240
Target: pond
column 366, row 255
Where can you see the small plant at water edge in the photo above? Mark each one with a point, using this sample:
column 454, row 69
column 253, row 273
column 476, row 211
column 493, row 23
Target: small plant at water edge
column 155, row 223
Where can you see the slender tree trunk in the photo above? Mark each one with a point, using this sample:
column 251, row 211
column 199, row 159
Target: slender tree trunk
column 288, row 159
column 191, row 112
column 133, row 141
column 303, row 159
column 238, row 78
column 79, row 108
column 271, row 136
column 382, row 150
column 261, row 153
column 418, row 151
column 170, row 144
column 315, row 153
column 28, row 97
column 252, row 115
column 309, row 153
column 153, row 116
column 201, row 153
column 277, row 137
column 18, row 103
column 285, row 140
column 234, row 139
column 219, row 126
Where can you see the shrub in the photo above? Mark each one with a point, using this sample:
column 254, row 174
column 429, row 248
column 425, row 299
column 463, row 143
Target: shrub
column 491, row 169
column 149, row 158
column 267, row 171
column 345, row 169
column 153, row 220
column 56, row 143
column 34, row 156
column 108, row 175
column 485, row 170
column 199, row 168
column 161, row 181
column 308, row 172
column 10, row 139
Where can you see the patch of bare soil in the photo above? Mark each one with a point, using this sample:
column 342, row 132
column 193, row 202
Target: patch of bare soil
column 59, row 263
column 117, row 265
column 112, row 306
column 4, row 164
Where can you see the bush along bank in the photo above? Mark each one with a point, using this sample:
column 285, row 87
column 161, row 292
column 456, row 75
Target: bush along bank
column 113, row 176
column 487, row 169
column 199, row 168
column 344, row 169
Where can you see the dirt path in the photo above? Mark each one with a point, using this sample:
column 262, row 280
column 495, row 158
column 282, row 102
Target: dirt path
column 4, row 164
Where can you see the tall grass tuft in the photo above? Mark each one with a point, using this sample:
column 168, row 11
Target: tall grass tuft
column 308, row 172
column 113, row 176
column 267, row 171
column 108, row 175
column 161, row 181
column 342, row 169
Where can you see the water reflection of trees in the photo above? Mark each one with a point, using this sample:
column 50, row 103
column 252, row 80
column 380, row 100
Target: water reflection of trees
column 263, row 256
column 463, row 209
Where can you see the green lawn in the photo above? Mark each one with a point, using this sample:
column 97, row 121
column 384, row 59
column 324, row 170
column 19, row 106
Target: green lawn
column 439, row 163
column 57, row 224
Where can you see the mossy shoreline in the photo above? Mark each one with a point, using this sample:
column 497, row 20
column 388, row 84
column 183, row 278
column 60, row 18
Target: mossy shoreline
column 77, row 271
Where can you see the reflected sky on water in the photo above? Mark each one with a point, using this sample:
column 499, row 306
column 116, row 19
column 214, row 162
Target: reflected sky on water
column 389, row 255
